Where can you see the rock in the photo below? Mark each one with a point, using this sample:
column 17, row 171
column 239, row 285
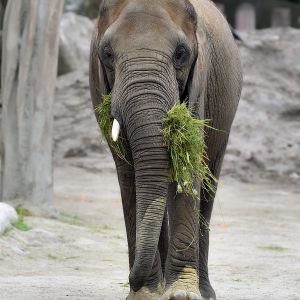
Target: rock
column 88, row 8
column 294, row 176
column 265, row 131
column 74, row 43
column 76, row 134
column 7, row 215
column 75, row 152
column 73, row 5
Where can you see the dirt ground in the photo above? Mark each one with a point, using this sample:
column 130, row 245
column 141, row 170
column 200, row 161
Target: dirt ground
column 255, row 245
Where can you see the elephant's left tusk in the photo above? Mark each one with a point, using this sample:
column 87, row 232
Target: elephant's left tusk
column 115, row 130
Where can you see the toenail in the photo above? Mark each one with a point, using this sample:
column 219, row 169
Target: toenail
column 178, row 295
column 193, row 296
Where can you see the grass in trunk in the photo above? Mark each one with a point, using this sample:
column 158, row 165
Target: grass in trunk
column 184, row 136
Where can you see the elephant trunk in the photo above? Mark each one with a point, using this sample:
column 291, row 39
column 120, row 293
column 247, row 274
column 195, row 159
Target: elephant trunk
column 146, row 96
column 151, row 164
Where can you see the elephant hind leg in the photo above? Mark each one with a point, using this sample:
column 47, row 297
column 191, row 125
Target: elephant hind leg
column 216, row 153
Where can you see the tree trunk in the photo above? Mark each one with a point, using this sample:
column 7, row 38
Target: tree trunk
column 29, row 67
column 2, row 9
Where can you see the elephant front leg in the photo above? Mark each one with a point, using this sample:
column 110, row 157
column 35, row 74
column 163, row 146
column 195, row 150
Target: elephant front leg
column 182, row 274
column 126, row 178
column 127, row 187
column 207, row 291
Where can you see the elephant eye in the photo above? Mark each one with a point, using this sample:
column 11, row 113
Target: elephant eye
column 181, row 56
column 107, row 56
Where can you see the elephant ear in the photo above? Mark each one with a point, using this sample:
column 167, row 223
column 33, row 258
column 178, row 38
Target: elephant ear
column 198, row 79
column 96, row 72
column 98, row 81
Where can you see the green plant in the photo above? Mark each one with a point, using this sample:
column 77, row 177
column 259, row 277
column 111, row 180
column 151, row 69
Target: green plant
column 273, row 248
column 125, row 285
column 105, row 123
column 185, row 139
column 54, row 257
column 20, row 222
column 71, row 219
column 21, row 225
column 22, row 211
column 102, row 228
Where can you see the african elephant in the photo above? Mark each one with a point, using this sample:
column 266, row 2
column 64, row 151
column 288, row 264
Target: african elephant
column 151, row 55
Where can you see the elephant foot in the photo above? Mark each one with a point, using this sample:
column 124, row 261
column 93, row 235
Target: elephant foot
column 207, row 292
column 180, row 291
column 143, row 294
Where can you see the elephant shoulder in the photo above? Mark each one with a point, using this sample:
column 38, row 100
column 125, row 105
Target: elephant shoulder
column 224, row 70
column 221, row 46
column 213, row 23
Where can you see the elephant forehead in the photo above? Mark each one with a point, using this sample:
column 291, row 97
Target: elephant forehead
column 180, row 12
column 121, row 6
column 184, row 5
column 161, row 16
column 136, row 28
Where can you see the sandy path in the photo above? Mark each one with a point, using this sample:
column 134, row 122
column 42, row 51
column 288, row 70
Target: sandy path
column 255, row 244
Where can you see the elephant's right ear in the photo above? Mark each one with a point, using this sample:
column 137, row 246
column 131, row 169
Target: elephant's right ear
column 96, row 73
column 197, row 80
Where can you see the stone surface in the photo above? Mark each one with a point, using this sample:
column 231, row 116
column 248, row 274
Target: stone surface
column 76, row 134
column 74, row 42
column 265, row 140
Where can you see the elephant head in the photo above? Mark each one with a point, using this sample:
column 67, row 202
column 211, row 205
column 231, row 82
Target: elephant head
column 147, row 54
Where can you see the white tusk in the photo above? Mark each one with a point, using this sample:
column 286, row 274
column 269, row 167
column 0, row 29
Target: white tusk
column 115, row 130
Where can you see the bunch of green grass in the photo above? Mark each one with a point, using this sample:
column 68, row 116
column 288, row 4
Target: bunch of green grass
column 24, row 212
column 105, row 123
column 184, row 137
column 20, row 222
column 21, row 225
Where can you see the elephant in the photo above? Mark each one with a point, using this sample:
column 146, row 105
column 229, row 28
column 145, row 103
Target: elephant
column 151, row 55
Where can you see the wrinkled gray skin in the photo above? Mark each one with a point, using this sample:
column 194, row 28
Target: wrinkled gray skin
column 152, row 55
